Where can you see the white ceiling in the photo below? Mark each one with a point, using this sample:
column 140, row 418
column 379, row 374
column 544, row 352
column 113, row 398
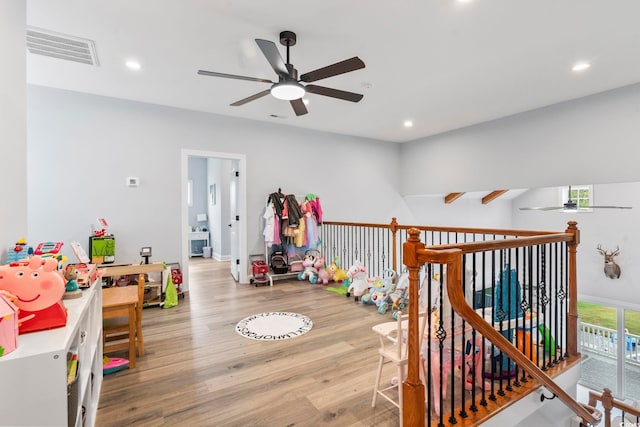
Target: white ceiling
column 441, row 63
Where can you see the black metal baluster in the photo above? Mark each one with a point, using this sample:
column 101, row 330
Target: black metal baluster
column 519, row 319
column 565, row 276
column 509, row 317
column 483, row 399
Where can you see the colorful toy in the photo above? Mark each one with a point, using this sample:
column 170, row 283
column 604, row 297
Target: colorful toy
column 260, row 271
column 399, row 297
column 325, row 275
column 38, row 286
column 8, row 323
column 358, row 283
column 310, row 268
column 113, row 364
column 339, row 275
column 387, row 287
column 48, row 248
column 19, row 251
column 71, row 287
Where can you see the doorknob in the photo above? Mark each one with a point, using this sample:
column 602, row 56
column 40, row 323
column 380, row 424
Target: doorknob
column 229, row 225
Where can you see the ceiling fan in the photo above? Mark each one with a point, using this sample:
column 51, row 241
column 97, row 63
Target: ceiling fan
column 289, row 87
column 572, row 206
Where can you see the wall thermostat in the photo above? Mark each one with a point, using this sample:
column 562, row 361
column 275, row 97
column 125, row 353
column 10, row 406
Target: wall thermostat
column 133, row 181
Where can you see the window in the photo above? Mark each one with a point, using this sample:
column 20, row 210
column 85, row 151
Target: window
column 581, row 195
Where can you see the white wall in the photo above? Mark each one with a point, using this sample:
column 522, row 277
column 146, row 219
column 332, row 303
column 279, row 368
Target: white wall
column 431, row 210
column 90, row 144
column 609, row 227
column 13, row 125
column 590, row 140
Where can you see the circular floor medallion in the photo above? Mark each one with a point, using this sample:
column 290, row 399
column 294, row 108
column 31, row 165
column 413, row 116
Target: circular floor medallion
column 274, row 326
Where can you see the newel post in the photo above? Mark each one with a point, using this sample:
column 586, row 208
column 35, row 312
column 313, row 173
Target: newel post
column 394, row 238
column 413, row 389
column 572, row 326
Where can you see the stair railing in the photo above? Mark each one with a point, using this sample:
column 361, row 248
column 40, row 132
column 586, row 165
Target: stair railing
column 416, row 255
column 609, row 402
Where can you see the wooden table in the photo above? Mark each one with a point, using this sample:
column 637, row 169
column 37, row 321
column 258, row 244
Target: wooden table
column 124, row 270
column 118, row 302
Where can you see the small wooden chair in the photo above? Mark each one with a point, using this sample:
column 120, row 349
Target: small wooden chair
column 116, row 331
column 393, row 348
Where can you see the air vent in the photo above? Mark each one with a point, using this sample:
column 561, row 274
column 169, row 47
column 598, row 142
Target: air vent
column 61, row 46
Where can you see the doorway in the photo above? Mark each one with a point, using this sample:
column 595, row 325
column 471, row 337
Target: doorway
column 221, row 200
column 610, row 337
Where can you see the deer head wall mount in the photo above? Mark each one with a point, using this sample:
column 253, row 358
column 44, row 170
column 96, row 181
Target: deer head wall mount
column 611, row 269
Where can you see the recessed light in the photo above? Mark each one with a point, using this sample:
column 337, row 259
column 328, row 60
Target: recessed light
column 581, row 66
column 133, row 65
column 465, row 1
column 408, row 123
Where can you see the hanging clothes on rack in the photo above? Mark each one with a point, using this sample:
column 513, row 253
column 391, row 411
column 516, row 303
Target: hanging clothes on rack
column 269, row 217
column 277, row 199
column 293, row 210
column 316, row 208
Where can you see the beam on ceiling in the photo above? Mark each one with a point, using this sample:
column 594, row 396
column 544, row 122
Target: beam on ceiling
column 492, row 196
column 451, row 197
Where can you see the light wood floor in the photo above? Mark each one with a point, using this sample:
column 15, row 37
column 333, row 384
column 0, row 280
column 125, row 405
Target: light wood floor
column 197, row 371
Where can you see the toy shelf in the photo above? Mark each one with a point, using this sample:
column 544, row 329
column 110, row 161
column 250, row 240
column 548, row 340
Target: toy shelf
column 36, row 372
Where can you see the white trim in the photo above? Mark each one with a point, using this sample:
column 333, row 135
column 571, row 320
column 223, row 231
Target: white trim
column 242, row 206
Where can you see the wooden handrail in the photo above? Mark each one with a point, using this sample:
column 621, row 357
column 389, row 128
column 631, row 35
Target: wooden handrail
column 415, row 255
column 608, row 403
column 469, row 230
column 493, row 245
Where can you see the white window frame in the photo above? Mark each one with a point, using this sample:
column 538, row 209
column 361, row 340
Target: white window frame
column 586, row 201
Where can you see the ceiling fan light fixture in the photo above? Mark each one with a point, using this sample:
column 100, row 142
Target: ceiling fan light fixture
column 288, row 91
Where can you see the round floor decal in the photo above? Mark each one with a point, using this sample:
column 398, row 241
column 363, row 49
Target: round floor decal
column 274, row 326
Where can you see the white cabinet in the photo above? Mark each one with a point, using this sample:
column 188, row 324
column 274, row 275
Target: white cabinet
column 34, row 376
column 197, row 241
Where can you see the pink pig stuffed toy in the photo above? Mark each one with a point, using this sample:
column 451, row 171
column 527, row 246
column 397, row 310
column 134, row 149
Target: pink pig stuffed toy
column 38, row 287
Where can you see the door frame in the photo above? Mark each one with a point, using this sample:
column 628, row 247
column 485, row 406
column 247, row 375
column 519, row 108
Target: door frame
column 241, row 206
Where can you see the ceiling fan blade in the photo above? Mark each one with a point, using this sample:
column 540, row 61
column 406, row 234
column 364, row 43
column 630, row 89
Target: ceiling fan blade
column 341, row 67
column 270, row 51
column 299, row 107
column 251, row 98
column 607, row 207
column 546, row 208
column 334, row 93
column 232, row 76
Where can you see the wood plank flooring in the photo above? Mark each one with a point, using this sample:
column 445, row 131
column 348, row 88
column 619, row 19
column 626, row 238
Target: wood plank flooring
column 197, row 371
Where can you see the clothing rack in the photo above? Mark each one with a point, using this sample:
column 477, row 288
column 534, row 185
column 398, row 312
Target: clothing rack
column 287, row 228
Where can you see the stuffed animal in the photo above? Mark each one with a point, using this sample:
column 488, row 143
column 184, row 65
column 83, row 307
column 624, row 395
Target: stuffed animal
column 325, row 275
column 339, row 275
column 358, row 283
column 383, row 294
column 71, row 287
column 310, row 270
column 38, row 286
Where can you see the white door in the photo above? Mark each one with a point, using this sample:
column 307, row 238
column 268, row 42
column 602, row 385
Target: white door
column 234, row 223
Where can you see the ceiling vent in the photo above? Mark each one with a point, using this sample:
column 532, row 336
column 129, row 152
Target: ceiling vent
column 61, row 46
